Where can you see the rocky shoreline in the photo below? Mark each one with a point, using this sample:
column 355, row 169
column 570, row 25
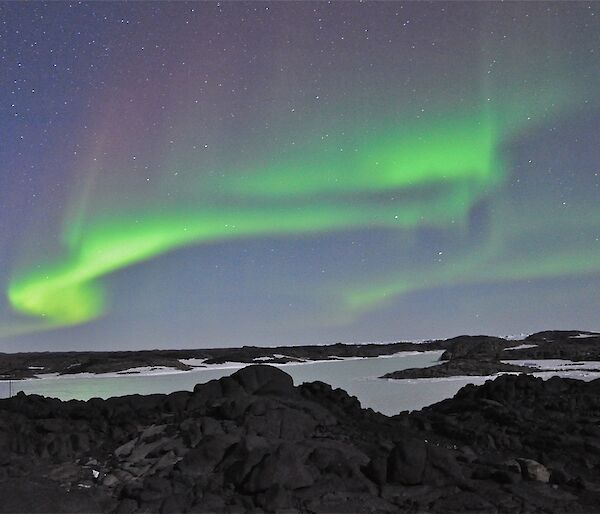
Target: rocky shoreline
column 253, row 442
column 17, row 366
column 463, row 356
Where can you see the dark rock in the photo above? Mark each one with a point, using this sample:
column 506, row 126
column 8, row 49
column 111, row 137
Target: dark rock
column 126, row 448
column 203, row 459
column 442, row 467
column 558, row 476
column 406, row 463
column 126, row 506
column 376, row 470
column 464, row 501
column 285, row 467
column 459, row 367
column 474, row 347
column 155, row 488
column 264, row 380
column 243, row 457
column 275, row 499
column 152, row 433
column 174, row 504
column 253, row 442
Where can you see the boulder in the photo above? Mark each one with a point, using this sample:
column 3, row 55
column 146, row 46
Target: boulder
column 533, row 470
column 264, row 380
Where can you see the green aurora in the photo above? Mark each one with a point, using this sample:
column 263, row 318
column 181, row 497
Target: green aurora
column 453, row 161
column 429, row 175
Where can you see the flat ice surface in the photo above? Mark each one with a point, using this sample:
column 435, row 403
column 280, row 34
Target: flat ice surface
column 358, row 376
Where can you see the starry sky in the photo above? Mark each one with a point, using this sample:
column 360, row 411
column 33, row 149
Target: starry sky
column 218, row 174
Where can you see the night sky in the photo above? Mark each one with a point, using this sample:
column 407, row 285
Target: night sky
column 203, row 174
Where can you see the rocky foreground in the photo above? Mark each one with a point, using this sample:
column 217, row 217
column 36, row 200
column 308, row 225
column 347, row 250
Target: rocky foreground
column 253, row 442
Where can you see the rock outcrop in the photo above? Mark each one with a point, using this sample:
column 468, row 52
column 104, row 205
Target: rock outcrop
column 459, row 367
column 485, row 355
column 252, row 442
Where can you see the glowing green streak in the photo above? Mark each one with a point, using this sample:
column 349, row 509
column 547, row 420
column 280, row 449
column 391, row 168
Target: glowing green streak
column 451, row 160
column 449, row 150
column 68, row 294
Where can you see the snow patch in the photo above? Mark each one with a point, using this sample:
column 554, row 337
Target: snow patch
column 556, row 364
column 147, row 371
column 515, row 337
column 193, row 362
column 520, row 347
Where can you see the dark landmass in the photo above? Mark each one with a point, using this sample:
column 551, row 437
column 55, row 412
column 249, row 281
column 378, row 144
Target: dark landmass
column 253, row 442
column 28, row 365
column 483, row 355
column 459, row 367
column 570, row 345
